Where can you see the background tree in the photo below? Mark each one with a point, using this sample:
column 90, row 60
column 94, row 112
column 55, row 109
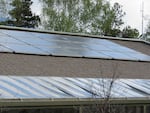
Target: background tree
column 58, row 15
column 83, row 16
column 112, row 20
column 148, row 28
column 146, row 35
column 4, row 9
column 22, row 15
column 129, row 32
column 103, row 92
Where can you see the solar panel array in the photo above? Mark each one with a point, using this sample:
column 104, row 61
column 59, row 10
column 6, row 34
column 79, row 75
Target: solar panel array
column 27, row 87
column 63, row 45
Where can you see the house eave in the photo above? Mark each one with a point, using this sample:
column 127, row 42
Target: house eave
column 69, row 102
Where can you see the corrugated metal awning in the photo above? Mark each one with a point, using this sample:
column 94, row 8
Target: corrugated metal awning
column 27, row 87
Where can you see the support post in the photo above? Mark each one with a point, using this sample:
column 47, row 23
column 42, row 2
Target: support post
column 80, row 109
column 144, row 109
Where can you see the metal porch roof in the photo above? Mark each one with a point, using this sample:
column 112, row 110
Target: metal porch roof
column 28, row 87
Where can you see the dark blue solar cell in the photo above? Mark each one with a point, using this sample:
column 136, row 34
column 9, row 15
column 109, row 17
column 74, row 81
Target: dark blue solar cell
column 120, row 48
column 49, row 37
column 77, row 52
column 99, row 47
column 118, row 55
column 140, row 56
column 95, row 54
column 4, row 49
column 34, row 41
column 26, row 37
column 8, row 39
column 17, row 34
column 70, row 45
column 25, row 49
column 77, row 39
column 66, row 52
column 102, row 42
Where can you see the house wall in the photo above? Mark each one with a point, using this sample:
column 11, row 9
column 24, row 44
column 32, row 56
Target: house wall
column 79, row 109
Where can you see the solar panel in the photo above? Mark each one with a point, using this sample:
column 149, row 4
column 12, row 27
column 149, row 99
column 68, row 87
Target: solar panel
column 7, row 39
column 64, row 45
column 28, row 49
column 4, row 49
column 46, row 36
column 119, row 55
column 141, row 56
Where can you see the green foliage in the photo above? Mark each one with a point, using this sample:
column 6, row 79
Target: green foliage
column 59, row 15
column 128, row 32
column 3, row 8
column 146, row 36
column 148, row 28
column 113, row 20
column 22, row 15
column 83, row 16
